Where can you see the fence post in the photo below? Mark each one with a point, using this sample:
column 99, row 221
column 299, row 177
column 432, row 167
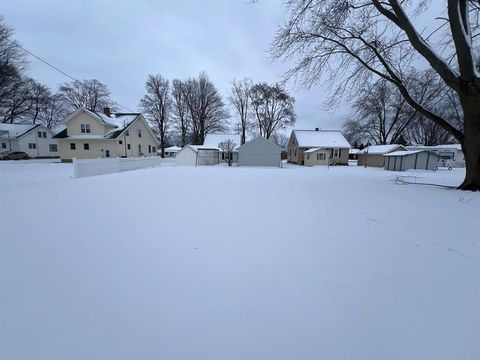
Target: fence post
column 75, row 171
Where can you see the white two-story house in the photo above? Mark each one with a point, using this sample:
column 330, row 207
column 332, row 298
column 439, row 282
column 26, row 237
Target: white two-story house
column 35, row 140
column 94, row 134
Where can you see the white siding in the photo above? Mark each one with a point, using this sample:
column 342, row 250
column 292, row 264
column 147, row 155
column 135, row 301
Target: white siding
column 186, row 157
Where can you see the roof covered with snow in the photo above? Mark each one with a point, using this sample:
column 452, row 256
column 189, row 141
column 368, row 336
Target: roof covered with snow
column 354, row 151
column 118, row 122
column 216, row 139
column 456, row 147
column 404, row 153
column 321, row 138
column 15, row 130
column 196, row 148
column 381, row 149
column 312, row 150
column 172, row 149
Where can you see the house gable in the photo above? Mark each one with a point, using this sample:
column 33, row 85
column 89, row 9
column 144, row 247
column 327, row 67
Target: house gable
column 82, row 116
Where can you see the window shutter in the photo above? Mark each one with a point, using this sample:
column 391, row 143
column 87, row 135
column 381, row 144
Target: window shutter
column 331, row 153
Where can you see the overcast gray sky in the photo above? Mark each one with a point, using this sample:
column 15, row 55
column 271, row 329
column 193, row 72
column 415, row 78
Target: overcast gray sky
column 119, row 42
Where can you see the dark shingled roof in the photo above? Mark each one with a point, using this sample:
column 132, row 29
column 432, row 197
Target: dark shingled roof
column 61, row 135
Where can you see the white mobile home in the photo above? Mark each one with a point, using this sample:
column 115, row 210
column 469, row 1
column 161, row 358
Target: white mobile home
column 448, row 154
column 35, row 140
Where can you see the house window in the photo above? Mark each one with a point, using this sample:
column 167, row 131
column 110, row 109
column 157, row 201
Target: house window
column 320, row 156
column 295, row 152
column 39, row 134
column 53, row 147
column 120, row 142
column 44, row 134
column 128, row 146
column 153, row 149
column 32, row 145
column 127, row 133
column 139, row 132
column 336, row 153
column 85, row 128
column 139, row 149
column 308, row 156
column 86, row 146
column 149, row 149
column 72, row 146
column 107, row 153
column 4, row 145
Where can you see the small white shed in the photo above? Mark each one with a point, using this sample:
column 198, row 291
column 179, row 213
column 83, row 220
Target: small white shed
column 259, row 152
column 196, row 155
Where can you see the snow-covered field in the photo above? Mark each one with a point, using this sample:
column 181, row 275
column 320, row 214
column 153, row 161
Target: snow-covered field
column 237, row 263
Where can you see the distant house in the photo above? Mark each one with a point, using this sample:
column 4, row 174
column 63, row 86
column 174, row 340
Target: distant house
column 93, row 134
column 448, row 154
column 170, row 151
column 198, row 155
column 410, row 160
column 36, row 140
column 214, row 141
column 259, row 152
column 353, row 154
column 332, row 142
column 373, row 154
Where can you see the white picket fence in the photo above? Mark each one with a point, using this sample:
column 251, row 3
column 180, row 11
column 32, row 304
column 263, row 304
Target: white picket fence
column 93, row 167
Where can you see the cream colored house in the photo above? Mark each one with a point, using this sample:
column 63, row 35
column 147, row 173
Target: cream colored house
column 331, row 142
column 93, row 134
column 316, row 156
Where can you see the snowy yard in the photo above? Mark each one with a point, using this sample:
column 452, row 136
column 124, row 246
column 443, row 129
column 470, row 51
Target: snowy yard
column 236, row 263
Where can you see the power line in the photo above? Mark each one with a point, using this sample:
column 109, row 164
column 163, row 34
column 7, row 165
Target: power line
column 56, row 68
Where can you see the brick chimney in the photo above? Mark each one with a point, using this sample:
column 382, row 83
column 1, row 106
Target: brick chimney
column 106, row 111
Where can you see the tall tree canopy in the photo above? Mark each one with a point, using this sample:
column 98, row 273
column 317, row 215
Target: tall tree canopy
column 157, row 105
column 272, row 107
column 351, row 41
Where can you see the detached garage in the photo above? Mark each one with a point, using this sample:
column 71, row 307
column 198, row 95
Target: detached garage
column 410, row 160
column 195, row 155
column 259, row 152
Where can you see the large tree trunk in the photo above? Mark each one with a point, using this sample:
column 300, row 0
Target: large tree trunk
column 471, row 142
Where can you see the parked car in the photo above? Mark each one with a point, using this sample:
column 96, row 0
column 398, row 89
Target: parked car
column 13, row 155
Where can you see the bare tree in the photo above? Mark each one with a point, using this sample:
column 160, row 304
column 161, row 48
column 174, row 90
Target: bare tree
column 228, row 146
column 12, row 63
column 19, row 103
column 91, row 94
column 380, row 115
column 157, row 105
column 40, row 96
column 281, row 140
column 272, row 108
column 206, row 108
column 180, row 110
column 53, row 113
column 240, row 99
column 351, row 41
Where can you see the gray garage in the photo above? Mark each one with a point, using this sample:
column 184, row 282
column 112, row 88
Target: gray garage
column 410, row 160
column 259, row 152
